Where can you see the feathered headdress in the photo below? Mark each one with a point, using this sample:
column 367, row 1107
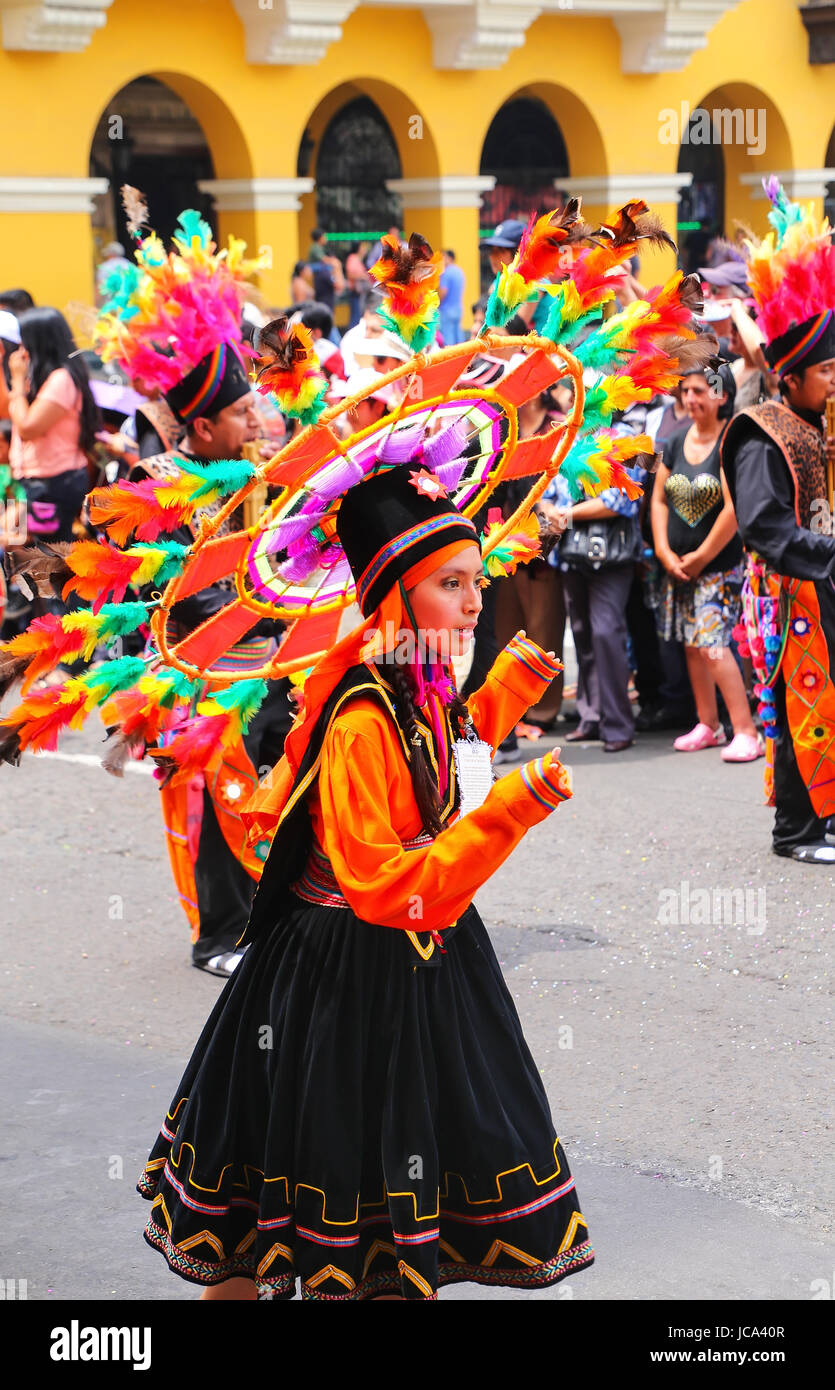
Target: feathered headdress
column 288, row 369
column 169, row 311
column 409, row 275
column 548, row 243
column 458, row 440
column 792, row 277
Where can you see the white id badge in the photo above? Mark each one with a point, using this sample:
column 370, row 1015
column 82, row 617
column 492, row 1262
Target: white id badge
column 474, row 769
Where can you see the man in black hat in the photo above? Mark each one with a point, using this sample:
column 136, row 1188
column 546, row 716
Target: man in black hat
column 215, row 405
column 774, row 456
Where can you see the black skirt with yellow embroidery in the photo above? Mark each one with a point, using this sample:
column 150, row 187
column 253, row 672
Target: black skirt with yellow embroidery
column 365, row 1122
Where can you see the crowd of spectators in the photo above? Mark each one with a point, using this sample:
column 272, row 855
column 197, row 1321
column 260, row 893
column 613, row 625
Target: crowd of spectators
column 648, row 589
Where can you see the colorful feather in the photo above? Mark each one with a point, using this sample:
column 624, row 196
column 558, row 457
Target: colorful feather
column 288, row 369
column 31, row 654
column 101, row 681
column 548, row 244
column 153, row 506
column 165, row 314
column 791, row 272
column 112, row 620
column 189, row 748
column 409, row 275
column 125, row 509
column 100, row 571
column 38, row 720
column 597, row 272
column 517, row 548
column 241, row 701
column 597, row 462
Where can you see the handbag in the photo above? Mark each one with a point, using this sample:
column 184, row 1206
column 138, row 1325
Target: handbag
column 609, row 540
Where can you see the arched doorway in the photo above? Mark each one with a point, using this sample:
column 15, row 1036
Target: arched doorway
column 701, row 208
column 357, row 154
column 147, row 136
column 525, row 151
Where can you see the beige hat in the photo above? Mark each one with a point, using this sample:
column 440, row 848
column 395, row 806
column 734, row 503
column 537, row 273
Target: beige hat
column 363, row 380
column 387, row 344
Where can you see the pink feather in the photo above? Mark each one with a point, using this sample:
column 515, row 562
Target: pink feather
column 450, row 474
column 400, row 446
column 340, row 477
column 445, row 446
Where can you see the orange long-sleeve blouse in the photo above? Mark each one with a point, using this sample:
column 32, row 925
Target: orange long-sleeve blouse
column 364, row 812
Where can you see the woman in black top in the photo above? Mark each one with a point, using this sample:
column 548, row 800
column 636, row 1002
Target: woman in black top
column 697, row 542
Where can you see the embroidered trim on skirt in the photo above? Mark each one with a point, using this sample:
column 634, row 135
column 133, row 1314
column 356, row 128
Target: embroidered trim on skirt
column 364, row 1124
column 702, row 612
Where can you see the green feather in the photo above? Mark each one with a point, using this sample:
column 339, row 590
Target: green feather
column 176, row 557
column 221, row 476
column 244, row 697
column 190, row 225
column 119, row 674
column 118, row 619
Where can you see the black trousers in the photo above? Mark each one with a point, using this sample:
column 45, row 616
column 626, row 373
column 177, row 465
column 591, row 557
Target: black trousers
column 224, row 888
column 795, row 819
column 642, row 632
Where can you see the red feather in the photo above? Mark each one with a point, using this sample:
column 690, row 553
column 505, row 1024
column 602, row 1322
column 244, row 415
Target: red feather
column 124, row 508
column 191, row 749
column 543, row 242
column 41, row 718
column 40, row 648
column 99, row 571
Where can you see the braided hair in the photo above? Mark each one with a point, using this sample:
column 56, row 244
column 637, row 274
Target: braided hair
column 423, row 782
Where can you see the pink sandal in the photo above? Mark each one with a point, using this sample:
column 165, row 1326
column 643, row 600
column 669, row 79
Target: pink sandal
column 702, row 736
column 743, row 748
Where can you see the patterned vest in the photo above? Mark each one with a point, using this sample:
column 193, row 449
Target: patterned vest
column 800, row 444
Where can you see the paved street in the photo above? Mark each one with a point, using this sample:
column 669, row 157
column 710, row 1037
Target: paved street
column 684, row 1033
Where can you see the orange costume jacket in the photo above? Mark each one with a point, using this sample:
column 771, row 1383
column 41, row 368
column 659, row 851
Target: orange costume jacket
column 349, row 832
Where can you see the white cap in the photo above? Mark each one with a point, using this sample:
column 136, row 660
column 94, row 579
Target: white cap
column 9, row 327
column 253, row 314
column 386, row 344
column 715, row 311
column 363, row 380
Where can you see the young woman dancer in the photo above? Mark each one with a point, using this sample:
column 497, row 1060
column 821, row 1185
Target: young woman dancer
column 361, row 1111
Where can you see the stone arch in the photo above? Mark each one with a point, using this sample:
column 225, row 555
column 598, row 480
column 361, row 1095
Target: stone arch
column 206, row 141
column 410, row 131
column 524, row 150
column 554, row 124
column 747, row 137
column 581, row 135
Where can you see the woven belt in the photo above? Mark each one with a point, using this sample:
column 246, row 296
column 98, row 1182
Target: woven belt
column 318, row 882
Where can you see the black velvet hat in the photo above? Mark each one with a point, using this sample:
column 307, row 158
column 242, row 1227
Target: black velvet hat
column 386, row 524
column 218, row 380
column 803, row 345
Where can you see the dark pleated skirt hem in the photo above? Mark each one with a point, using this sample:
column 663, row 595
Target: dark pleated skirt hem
column 283, row 1286
column 362, row 1125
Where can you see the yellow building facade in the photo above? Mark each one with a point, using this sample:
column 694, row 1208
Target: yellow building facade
column 621, row 79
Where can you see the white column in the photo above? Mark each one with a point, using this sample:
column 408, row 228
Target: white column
column 612, row 190
column 800, row 184
column 258, row 195
column 444, row 191
column 19, row 194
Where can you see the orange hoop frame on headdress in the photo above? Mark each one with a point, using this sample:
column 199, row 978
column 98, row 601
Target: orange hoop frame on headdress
column 245, row 610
